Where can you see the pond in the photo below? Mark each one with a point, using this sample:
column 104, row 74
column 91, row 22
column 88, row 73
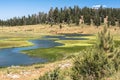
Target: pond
column 13, row 56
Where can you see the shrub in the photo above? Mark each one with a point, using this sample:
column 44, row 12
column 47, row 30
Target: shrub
column 54, row 75
column 93, row 66
column 105, row 41
column 116, row 59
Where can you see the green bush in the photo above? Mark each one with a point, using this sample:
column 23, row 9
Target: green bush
column 105, row 41
column 93, row 66
column 116, row 59
column 54, row 75
column 50, row 76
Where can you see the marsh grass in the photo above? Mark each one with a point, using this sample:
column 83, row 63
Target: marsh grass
column 56, row 53
column 72, row 43
column 9, row 44
column 69, row 49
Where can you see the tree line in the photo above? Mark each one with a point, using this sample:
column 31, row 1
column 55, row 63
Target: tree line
column 68, row 15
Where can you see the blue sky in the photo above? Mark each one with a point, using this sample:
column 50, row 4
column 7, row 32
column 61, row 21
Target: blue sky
column 12, row 8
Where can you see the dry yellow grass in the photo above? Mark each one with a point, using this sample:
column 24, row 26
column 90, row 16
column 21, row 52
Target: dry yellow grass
column 44, row 29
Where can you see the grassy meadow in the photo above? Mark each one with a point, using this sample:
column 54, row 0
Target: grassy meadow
column 18, row 36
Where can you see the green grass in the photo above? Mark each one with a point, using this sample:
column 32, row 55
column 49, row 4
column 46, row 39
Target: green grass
column 117, row 43
column 15, row 42
column 72, row 43
column 56, row 53
column 92, row 37
column 16, row 39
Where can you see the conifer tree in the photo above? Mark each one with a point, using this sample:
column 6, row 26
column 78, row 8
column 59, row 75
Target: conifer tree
column 105, row 40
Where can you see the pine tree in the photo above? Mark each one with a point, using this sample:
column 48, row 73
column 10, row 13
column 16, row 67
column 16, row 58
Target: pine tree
column 105, row 41
column 56, row 15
